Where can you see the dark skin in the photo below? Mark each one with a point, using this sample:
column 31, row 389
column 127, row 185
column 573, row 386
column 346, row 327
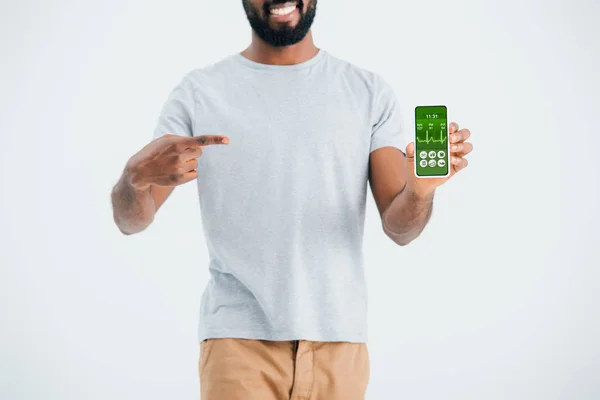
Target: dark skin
column 263, row 53
column 152, row 174
column 403, row 200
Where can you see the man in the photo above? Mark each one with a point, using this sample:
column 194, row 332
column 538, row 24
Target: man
column 282, row 139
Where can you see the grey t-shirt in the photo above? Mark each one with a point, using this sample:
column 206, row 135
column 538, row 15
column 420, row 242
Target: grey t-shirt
column 283, row 204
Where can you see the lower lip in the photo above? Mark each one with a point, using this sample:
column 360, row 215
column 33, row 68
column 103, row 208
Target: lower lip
column 284, row 18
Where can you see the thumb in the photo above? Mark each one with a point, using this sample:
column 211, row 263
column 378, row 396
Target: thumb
column 410, row 150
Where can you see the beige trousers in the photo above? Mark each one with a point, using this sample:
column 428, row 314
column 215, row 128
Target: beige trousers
column 242, row 369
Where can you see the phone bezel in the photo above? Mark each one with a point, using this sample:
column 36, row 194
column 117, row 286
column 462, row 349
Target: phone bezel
column 447, row 144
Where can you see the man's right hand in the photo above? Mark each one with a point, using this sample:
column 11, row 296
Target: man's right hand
column 169, row 160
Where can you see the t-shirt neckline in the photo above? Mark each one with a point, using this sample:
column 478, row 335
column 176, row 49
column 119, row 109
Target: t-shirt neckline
column 272, row 67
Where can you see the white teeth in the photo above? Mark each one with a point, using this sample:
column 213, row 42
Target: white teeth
column 284, row 10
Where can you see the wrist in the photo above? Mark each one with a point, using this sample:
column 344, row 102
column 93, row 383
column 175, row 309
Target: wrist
column 134, row 179
column 420, row 192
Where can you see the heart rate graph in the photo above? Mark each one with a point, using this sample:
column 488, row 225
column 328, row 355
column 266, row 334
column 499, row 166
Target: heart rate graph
column 431, row 139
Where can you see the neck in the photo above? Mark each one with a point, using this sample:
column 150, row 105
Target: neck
column 262, row 52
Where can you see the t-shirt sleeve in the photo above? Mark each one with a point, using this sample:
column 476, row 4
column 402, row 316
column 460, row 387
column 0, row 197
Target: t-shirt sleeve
column 177, row 114
column 387, row 125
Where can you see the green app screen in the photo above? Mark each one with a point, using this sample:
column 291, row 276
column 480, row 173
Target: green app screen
column 431, row 141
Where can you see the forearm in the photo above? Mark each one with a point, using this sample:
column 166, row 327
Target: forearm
column 133, row 209
column 407, row 215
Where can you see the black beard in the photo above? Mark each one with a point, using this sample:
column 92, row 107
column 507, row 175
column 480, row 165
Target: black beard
column 285, row 35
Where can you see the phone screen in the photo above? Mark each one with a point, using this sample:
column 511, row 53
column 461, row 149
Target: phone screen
column 431, row 141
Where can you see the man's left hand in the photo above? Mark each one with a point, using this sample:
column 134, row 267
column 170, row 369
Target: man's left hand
column 459, row 148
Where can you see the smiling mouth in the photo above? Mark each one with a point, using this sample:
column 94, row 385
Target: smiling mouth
column 283, row 9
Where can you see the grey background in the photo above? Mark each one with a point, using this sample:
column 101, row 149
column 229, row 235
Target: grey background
column 498, row 299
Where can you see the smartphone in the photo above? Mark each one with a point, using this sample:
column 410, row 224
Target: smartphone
column 432, row 147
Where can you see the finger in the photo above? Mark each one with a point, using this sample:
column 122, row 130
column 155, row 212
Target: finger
column 188, row 176
column 178, row 178
column 190, row 165
column 461, row 149
column 459, row 163
column 206, row 140
column 410, row 150
column 453, row 127
column 191, row 154
column 460, row 136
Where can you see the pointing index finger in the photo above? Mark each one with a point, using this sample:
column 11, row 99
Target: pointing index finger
column 205, row 140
